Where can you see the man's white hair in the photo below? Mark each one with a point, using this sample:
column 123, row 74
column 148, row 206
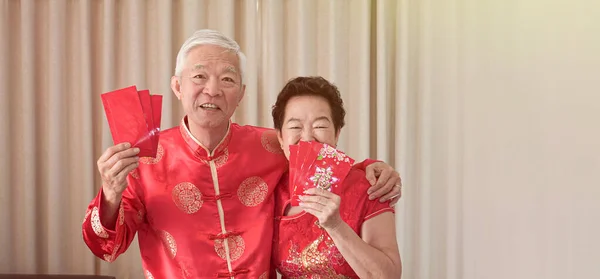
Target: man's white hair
column 209, row 37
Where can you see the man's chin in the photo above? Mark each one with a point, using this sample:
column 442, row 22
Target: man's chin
column 209, row 122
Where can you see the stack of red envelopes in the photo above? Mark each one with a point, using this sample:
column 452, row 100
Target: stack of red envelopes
column 134, row 116
column 314, row 164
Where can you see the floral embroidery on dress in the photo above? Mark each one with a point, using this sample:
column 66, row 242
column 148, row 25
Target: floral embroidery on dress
column 319, row 259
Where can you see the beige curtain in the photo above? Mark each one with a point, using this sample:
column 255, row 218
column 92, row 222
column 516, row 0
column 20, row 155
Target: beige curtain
column 59, row 56
column 489, row 109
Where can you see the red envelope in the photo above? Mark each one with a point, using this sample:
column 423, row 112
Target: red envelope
column 293, row 165
column 157, row 115
column 322, row 166
column 146, row 142
column 131, row 116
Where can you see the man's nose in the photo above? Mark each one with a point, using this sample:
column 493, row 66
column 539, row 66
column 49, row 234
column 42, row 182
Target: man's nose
column 212, row 87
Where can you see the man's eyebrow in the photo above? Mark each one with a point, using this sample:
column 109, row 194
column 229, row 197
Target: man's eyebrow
column 323, row 118
column 198, row 67
column 231, row 69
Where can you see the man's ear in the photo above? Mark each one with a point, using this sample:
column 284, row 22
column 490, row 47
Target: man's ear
column 242, row 93
column 176, row 86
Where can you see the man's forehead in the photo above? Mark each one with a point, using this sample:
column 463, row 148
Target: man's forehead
column 226, row 68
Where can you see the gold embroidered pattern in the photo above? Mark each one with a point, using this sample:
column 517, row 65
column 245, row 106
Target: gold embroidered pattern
column 110, row 258
column 183, row 267
column 318, row 259
column 97, row 225
column 121, row 215
column 221, row 160
column 236, row 247
column 169, row 243
column 149, row 160
column 149, row 275
column 187, row 197
column 252, row 191
column 269, row 141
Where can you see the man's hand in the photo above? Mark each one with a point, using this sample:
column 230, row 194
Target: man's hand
column 385, row 181
column 114, row 165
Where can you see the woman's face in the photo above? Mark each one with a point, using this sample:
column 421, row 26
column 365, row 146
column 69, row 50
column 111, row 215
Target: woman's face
column 307, row 118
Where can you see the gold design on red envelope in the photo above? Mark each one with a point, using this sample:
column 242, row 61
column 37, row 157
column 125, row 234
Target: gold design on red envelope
column 151, row 161
column 149, row 275
column 270, row 143
column 236, row 247
column 187, row 197
column 169, row 243
column 97, row 225
column 264, row 275
column 323, row 178
column 253, row 191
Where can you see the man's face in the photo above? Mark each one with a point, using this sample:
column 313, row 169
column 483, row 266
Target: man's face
column 210, row 87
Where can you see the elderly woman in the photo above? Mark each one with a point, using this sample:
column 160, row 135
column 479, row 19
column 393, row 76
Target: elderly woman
column 343, row 235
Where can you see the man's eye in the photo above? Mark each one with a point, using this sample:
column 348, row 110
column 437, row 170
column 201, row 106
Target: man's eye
column 321, row 127
column 200, row 76
column 294, row 128
column 228, row 79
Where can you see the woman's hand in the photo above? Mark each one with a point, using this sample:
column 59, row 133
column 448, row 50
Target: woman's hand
column 324, row 205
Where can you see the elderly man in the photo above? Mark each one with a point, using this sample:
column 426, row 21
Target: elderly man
column 203, row 207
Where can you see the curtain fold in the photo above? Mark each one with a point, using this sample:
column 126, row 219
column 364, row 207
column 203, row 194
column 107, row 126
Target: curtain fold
column 487, row 109
column 60, row 57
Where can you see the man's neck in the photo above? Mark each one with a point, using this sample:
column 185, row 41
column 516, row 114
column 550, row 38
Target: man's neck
column 208, row 137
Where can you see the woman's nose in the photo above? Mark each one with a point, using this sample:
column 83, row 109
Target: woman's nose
column 307, row 135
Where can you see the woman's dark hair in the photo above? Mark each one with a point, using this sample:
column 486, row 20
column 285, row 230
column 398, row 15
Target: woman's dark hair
column 310, row 86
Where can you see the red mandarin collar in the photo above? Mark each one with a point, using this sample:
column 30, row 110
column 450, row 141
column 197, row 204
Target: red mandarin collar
column 199, row 150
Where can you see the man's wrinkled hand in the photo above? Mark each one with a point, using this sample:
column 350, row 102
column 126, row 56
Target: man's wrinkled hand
column 114, row 165
column 385, row 183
